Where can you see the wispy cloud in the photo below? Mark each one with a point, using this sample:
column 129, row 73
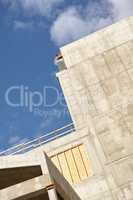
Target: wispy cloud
column 78, row 21
column 121, row 8
column 34, row 7
column 15, row 140
column 71, row 25
column 72, row 22
column 23, row 25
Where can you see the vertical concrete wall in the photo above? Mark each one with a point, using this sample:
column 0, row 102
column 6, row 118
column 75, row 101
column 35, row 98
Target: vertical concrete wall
column 62, row 186
column 98, row 86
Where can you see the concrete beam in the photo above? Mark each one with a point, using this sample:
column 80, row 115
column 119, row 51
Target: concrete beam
column 27, row 189
column 14, row 161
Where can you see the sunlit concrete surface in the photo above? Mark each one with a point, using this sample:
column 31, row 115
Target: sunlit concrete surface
column 97, row 82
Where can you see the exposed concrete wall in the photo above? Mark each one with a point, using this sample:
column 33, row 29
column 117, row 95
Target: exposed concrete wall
column 98, row 86
column 98, row 42
column 62, row 186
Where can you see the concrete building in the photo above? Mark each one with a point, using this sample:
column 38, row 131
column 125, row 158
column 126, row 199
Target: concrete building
column 95, row 160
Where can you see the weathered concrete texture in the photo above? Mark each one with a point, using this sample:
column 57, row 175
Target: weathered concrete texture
column 27, row 189
column 19, row 161
column 97, row 43
column 98, row 87
column 62, row 185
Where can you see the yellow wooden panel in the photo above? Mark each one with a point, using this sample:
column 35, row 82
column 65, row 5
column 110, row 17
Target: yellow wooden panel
column 64, row 166
column 56, row 162
column 72, row 166
column 85, row 159
column 79, row 163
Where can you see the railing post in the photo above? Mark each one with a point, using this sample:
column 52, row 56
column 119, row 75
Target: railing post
column 52, row 193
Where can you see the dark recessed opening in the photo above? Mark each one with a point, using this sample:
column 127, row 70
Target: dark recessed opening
column 12, row 176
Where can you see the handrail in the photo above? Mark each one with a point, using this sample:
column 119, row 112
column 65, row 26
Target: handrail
column 48, row 137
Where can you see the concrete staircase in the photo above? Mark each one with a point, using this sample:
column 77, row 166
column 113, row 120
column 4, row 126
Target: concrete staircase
column 32, row 176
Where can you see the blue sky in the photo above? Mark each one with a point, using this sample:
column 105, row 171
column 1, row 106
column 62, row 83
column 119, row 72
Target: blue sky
column 31, row 32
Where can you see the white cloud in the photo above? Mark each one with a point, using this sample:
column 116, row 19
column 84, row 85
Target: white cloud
column 71, row 25
column 74, row 23
column 122, row 8
column 39, row 7
column 68, row 26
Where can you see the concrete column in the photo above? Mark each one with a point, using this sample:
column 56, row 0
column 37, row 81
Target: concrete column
column 52, row 194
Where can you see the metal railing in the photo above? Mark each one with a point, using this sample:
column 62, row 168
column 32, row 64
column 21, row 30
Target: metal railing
column 48, row 137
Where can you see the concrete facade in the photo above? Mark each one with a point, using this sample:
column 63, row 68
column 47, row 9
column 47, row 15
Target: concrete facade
column 96, row 76
column 98, row 86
